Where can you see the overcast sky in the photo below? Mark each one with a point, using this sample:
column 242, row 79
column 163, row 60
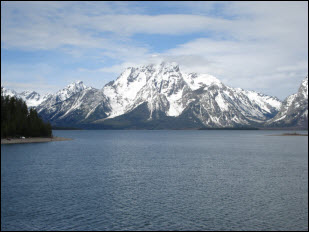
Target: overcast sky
column 260, row 46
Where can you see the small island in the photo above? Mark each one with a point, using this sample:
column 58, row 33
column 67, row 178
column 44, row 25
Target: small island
column 291, row 134
column 32, row 140
column 294, row 134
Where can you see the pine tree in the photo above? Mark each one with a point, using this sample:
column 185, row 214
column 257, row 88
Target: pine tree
column 17, row 120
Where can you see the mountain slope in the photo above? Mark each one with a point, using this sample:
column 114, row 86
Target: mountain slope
column 294, row 110
column 168, row 92
column 73, row 105
column 31, row 98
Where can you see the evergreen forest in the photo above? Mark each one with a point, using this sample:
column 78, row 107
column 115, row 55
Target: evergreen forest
column 17, row 120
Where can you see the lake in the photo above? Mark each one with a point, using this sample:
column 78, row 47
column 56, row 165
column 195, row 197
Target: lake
column 157, row 180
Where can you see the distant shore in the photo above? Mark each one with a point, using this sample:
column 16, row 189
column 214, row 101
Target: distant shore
column 291, row 134
column 33, row 140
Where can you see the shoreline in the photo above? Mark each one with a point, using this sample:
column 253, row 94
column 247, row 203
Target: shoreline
column 290, row 134
column 33, row 140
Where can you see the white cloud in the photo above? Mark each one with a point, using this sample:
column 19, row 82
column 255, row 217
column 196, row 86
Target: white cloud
column 262, row 65
column 256, row 45
column 37, row 77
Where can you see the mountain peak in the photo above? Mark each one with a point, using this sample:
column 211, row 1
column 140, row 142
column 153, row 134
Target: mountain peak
column 197, row 80
column 169, row 64
column 70, row 90
column 76, row 86
column 294, row 110
column 9, row 92
column 164, row 65
column 303, row 89
column 31, row 95
column 31, row 98
column 305, row 82
column 76, row 83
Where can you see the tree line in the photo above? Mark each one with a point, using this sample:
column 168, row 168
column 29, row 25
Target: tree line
column 17, row 120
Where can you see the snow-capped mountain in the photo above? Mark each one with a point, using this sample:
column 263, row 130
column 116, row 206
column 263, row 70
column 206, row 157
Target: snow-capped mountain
column 74, row 104
column 158, row 96
column 9, row 92
column 294, row 110
column 169, row 92
column 157, row 85
column 31, row 98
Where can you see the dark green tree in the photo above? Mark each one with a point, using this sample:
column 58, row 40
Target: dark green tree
column 17, row 120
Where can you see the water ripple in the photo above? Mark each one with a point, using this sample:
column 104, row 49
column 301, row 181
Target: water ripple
column 156, row 180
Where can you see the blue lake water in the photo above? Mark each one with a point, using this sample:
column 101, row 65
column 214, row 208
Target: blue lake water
column 156, row 180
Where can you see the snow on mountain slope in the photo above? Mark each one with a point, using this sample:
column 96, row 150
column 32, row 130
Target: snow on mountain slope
column 166, row 89
column 294, row 109
column 69, row 91
column 31, row 98
column 122, row 92
column 196, row 81
column 264, row 101
column 284, row 109
column 74, row 104
column 146, row 84
column 52, row 100
column 9, row 92
column 223, row 106
column 303, row 89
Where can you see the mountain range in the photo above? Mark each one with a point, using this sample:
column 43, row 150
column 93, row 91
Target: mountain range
column 32, row 98
column 161, row 96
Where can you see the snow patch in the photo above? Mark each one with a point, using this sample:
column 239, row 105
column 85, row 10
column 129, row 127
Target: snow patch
column 221, row 102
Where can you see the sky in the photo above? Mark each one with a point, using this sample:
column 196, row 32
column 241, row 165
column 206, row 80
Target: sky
column 261, row 46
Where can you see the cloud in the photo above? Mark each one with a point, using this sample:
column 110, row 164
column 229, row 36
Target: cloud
column 37, row 77
column 262, row 65
column 256, row 45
